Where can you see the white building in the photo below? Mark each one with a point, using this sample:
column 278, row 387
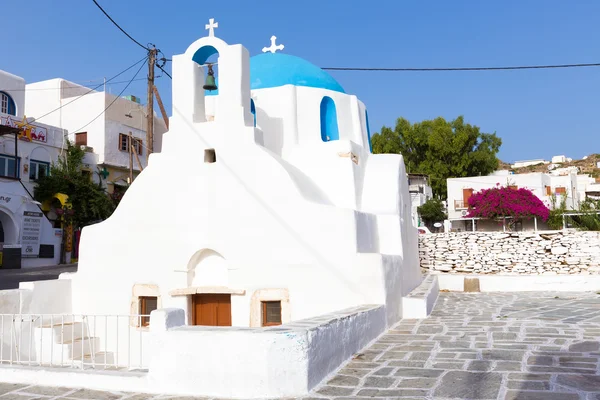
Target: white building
column 106, row 138
column 543, row 185
column 561, row 159
column 265, row 207
column 274, row 192
column 589, row 187
column 27, row 149
column 420, row 191
column 527, row 163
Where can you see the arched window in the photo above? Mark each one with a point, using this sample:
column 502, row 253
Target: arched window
column 329, row 124
column 7, row 105
column 253, row 110
column 368, row 131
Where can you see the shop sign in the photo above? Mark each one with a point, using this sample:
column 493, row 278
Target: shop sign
column 29, row 132
column 31, row 232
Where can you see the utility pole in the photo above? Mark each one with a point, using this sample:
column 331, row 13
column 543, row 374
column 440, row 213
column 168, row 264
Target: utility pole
column 137, row 158
column 150, row 116
column 130, row 140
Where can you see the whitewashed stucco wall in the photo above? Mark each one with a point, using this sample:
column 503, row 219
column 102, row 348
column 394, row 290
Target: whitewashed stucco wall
column 14, row 86
column 305, row 224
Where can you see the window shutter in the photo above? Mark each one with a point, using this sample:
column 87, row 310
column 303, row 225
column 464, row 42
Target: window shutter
column 81, row 139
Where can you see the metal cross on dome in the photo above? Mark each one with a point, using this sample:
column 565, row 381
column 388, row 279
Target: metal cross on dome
column 211, row 26
column 273, row 47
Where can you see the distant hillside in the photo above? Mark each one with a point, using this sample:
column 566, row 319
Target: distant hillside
column 587, row 166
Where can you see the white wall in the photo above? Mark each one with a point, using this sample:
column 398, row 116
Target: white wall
column 298, row 229
column 285, row 361
column 11, row 215
column 48, row 151
column 103, row 132
column 14, row 86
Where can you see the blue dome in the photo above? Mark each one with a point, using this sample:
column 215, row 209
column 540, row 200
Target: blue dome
column 270, row 70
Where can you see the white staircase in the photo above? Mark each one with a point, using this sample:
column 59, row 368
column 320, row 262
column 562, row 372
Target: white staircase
column 67, row 342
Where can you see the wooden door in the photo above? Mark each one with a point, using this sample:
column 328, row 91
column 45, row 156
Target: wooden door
column 467, row 193
column 211, row 309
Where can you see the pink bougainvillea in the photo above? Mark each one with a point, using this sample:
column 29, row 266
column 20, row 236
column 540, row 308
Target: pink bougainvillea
column 501, row 201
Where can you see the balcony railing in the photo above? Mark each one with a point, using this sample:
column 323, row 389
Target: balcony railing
column 76, row 341
column 461, row 205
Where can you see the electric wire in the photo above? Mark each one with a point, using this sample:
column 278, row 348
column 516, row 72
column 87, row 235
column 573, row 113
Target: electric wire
column 165, row 72
column 505, row 68
column 93, row 89
column 111, row 103
column 118, row 26
column 462, row 68
column 67, row 88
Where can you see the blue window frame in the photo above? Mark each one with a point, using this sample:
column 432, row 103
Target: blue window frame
column 368, row 131
column 7, row 104
column 38, row 169
column 329, row 123
column 7, row 166
column 253, row 110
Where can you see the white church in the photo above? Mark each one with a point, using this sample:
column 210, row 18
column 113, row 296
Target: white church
column 264, row 207
column 264, row 192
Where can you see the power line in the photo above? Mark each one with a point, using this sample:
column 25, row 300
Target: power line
column 462, row 68
column 93, row 89
column 117, row 25
column 162, row 69
column 112, row 102
column 71, row 87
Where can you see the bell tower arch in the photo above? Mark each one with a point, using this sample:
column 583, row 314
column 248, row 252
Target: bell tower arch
column 234, row 81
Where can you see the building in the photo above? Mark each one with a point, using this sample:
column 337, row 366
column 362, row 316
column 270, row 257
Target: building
column 265, row 207
column 27, row 149
column 106, row 138
column 280, row 168
column 527, row 163
column 561, row 159
column 543, row 185
column 589, row 187
column 420, row 191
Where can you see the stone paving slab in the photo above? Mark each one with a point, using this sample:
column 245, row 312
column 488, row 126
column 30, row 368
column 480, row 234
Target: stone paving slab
column 479, row 346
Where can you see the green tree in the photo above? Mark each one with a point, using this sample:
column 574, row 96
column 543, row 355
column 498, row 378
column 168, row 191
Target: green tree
column 441, row 149
column 89, row 200
column 588, row 219
column 557, row 209
column 432, row 211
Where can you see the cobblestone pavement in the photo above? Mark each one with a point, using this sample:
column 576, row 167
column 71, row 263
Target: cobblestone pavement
column 534, row 346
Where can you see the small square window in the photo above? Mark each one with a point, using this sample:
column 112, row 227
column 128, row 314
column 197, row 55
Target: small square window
column 210, row 156
column 147, row 305
column 38, row 170
column 271, row 313
column 81, row 139
column 123, row 142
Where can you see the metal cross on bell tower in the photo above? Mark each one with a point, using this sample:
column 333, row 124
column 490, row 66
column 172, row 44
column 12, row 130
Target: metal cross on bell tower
column 273, row 47
column 210, row 27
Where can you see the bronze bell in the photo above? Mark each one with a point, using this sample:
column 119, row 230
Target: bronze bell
column 210, row 83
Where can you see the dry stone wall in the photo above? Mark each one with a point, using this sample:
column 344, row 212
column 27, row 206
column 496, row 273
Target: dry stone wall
column 548, row 253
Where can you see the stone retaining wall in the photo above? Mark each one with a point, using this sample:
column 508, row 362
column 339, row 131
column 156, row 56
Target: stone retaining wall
column 550, row 253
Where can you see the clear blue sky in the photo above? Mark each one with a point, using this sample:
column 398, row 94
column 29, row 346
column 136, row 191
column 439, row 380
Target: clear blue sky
column 537, row 113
